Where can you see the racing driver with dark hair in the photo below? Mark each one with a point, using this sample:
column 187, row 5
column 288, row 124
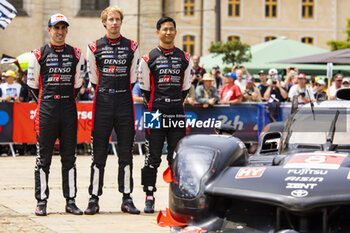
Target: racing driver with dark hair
column 55, row 77
column 112, row 66
column 165, row 80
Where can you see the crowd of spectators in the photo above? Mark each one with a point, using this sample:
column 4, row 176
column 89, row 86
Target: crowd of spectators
column 240, row 86
column 211, row 88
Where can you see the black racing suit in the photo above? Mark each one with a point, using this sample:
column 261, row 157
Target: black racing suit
column 57, row 73
column 112, row 66
column 164, row 80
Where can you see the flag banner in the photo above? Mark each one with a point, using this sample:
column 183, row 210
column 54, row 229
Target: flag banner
column 7, row 13
column 6, row 59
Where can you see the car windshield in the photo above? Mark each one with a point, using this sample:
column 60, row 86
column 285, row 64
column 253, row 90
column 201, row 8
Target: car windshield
column 304, row 129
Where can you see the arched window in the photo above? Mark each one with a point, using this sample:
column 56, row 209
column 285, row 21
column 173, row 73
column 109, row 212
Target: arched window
column 268, row 38
column 234, row 8
column 271, row 8
column 188, row 44
column 307, row 9
column 189, row 7
column 231, row 38
column 308, row 40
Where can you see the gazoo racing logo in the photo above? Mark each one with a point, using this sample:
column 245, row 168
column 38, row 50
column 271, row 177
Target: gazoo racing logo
column 164, row 79
column 109, row 69
column 54, row 78
column 169, row 71
column 168, row 78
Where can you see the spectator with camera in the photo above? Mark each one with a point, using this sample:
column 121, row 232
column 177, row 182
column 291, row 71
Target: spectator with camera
column 320, row 94
column 230, row 93
column 250, row 92
column 206, row 94
column 303, row 92
column 275, row 92
column 197, row 72
column 218, row 79
column 291, row 77
column 10, row 90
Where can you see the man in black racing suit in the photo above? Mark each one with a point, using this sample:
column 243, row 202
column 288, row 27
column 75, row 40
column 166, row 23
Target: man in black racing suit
column 112, row 66
column 165, row 80
column 55, row 76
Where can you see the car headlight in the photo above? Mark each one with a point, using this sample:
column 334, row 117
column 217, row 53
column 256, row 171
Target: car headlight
column 190, row 166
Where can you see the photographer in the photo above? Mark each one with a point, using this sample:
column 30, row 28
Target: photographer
column 250, row 92
column 218, row 78
column 197, row 72
column 291, row 77
column 304, row 93
column 275, row 93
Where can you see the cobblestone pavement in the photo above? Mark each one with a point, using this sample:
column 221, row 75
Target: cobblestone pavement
column 17, row 202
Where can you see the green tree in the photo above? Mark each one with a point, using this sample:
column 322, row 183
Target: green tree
column 335, row 45
column 235, row 52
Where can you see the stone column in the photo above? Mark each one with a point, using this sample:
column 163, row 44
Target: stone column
column 151, row 11
column 50, row 7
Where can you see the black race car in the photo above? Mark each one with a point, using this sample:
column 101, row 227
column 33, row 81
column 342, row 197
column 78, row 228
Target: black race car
column 298, row 181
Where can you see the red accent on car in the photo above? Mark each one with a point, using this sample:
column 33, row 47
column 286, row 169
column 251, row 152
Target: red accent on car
column 168, row 220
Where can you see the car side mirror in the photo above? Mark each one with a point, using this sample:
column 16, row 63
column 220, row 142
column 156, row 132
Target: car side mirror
column 270, row 142
column 343, row 93
column 225, row 129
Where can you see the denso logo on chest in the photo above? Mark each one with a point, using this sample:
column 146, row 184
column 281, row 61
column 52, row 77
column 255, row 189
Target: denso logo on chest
column 114, row 62
column 169, row 71
column 60, row 70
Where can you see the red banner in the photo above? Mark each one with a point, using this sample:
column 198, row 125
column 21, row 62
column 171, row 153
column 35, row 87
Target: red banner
column 23, row 118
column 23, row 122
column 84, row 122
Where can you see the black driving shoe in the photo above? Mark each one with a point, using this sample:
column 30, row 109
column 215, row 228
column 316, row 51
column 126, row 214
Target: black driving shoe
column 149, row 205
column 93, row 206
column 41, row 208
column 129, row 207
column 72, row 208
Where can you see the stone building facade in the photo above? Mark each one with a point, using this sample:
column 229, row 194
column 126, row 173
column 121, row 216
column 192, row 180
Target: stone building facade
column 251, row 21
